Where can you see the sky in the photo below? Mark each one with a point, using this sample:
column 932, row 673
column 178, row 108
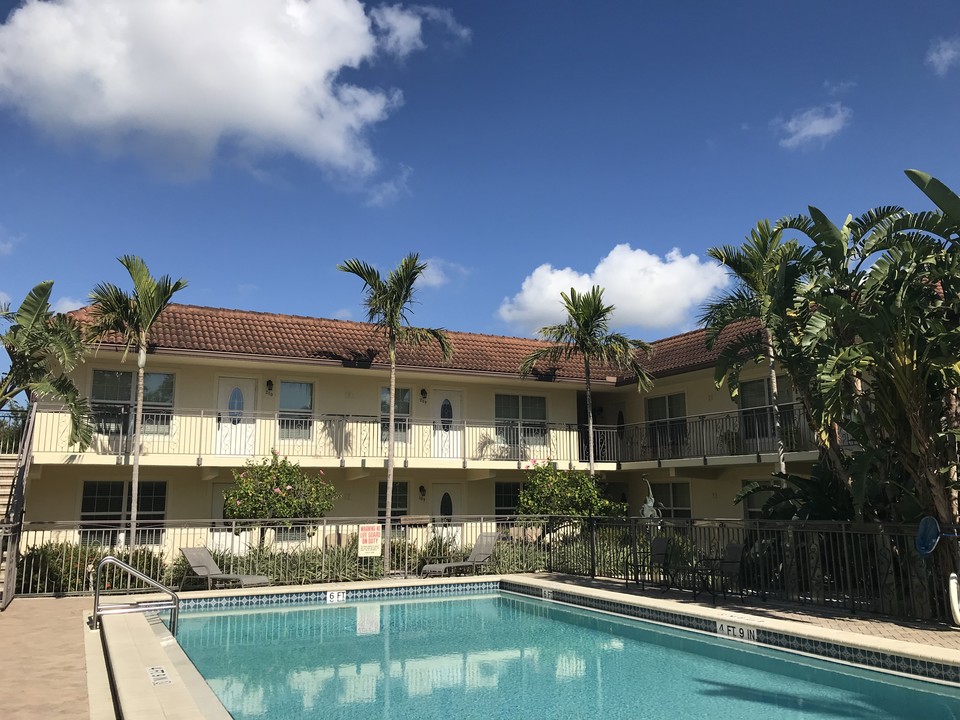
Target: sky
column 520, row 147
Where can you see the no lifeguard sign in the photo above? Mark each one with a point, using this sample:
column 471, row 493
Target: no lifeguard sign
column 371, row 541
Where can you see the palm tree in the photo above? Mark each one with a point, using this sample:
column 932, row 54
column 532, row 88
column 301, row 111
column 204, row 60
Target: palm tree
column 585, row 332
column 764, row 286
column 388, row 302
column 44, row 348
column 132, row 317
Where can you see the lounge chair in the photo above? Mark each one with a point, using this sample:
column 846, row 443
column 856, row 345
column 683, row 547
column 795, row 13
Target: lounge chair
column 658, row 559
column 203, row 564
column 480, row 555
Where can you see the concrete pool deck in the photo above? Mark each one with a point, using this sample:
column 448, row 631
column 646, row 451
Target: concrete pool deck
column 50, row 657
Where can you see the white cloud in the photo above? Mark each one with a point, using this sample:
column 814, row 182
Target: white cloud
column 8, row 241
column 389, row 191
column 943, row 55
column 816, row 124
column 839, row 88
column 178, row 80
column 440, row 272
column 4, row 298
column 66, row 304
column 400, row 28
column 647, row 290
column 343, row 314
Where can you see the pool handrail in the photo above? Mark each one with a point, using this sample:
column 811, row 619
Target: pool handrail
column 172, row 604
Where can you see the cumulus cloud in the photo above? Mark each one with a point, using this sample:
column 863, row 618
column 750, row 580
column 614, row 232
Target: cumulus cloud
column 66, row 304
column 943, row 55
column 179, row 80
column 649, row 291
column 4, row 298
column 440, row 272
column 815, row 124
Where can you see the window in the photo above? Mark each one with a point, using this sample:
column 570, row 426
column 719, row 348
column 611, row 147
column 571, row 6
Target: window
column 672, row 499
column 667, row 425
column 399, row 508
column 506, row 495
column 521, row 417
column 114, row 398
column 296, row 410
column 401, row 414
column 756, row 399
column 106, row 505
column 753, row 504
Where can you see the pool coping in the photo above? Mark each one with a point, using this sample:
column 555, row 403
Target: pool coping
column 140, row 649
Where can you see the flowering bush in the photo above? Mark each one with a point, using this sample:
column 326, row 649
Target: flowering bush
column 277, row 488
column 549, row 491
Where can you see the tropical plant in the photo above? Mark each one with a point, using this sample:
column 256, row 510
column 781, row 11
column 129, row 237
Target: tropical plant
column 44, row 348
column 277, row 488
column 800, row 497
column 766, row 270
column 388, row 302
column 128, row 319
column 586, row 333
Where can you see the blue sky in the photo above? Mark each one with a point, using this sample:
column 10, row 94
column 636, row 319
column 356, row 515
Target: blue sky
column 520, row 147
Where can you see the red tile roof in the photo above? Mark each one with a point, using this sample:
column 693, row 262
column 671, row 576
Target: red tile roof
column 195, row 329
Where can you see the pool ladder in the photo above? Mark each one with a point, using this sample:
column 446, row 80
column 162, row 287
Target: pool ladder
column 172, row 603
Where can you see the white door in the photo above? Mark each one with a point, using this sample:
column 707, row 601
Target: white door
column 447, row 424
column 236, row 424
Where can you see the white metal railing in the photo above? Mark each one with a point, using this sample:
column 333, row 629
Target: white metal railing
column 172, row 603
column 12, row 423
column 203, row 433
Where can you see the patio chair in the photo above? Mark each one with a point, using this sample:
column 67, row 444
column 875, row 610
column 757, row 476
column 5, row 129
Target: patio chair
column 658, row 559
column 203, row 564
column 726, row 568
column 480, row 555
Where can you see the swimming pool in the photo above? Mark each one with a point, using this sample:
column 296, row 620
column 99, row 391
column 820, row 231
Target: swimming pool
column 500, row 655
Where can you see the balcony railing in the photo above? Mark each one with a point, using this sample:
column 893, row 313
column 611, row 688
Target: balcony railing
column 212, row 433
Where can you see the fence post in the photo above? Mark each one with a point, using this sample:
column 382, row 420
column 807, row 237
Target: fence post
column 592, row 522
column 846, row 565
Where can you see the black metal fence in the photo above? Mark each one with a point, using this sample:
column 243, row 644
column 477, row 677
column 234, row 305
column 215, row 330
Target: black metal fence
column 869, row 568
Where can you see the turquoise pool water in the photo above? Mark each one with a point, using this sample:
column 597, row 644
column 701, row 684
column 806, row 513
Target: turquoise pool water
column 502, row 656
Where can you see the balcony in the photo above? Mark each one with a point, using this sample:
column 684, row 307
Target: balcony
column 211, row 437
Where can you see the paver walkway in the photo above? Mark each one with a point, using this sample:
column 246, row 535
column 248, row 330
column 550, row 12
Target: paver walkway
column 42, row 661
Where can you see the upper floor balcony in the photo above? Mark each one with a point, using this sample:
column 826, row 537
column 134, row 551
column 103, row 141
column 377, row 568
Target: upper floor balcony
column 215, row 437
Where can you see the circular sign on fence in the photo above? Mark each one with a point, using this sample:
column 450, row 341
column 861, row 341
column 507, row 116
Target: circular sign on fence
column 928, row 535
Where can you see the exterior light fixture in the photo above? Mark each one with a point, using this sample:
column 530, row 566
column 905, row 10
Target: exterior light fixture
column 423, row 395
column 423, row 493
column 269, row 387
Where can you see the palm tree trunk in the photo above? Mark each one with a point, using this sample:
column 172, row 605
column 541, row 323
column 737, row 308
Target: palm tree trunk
column 774, row 394
column 137, row 424
column 391, row 460
column 586, row 370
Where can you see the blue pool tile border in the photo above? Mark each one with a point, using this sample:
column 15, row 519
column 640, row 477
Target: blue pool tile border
column 942, row 672
column 311, row 597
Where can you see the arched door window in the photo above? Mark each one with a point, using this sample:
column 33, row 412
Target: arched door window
column 446, row 505
column 235, row 405
column 446, row 415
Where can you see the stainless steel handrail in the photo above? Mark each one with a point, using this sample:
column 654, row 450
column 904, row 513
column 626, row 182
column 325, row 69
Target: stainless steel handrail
column 173, row 604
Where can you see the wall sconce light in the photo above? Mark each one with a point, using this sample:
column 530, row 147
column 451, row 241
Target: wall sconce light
column 269, row 387
column 423, row 493
column 423, row 395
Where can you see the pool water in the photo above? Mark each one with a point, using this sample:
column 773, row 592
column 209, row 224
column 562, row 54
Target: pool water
column 502, row 656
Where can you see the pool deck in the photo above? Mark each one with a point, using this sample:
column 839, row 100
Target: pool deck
column 52, row 662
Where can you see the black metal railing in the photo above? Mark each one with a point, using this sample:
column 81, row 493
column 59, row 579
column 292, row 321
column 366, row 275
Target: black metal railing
column 855, row 568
